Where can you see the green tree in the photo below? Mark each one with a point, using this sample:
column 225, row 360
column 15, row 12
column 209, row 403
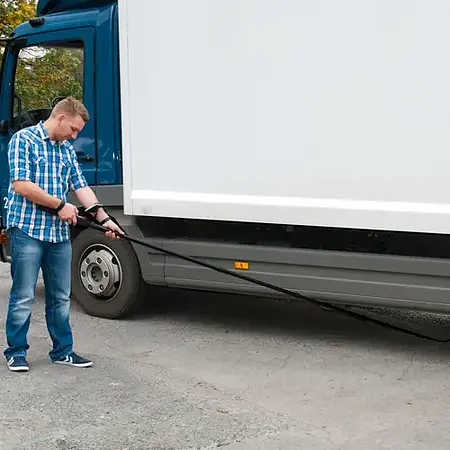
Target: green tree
column 13, row 13
column 46, row 73
column 43, row 73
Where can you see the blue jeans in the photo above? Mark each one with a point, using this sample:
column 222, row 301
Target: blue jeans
column 28, row 255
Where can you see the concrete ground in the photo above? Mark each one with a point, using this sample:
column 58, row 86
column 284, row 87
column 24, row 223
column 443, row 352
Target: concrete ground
column 207, row 371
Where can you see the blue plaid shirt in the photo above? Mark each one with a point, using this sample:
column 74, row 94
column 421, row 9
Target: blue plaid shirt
column 53, row 166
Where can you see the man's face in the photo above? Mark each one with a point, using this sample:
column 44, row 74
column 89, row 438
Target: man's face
column 68, row 127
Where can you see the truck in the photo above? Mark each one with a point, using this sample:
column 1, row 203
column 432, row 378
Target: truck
column 303, row 143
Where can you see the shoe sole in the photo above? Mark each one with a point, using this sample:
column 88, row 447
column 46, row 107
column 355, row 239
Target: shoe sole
column 63, row 363
column 19, row 369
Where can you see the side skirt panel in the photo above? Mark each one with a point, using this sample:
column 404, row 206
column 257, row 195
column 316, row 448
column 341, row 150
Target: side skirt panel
column 357, row 279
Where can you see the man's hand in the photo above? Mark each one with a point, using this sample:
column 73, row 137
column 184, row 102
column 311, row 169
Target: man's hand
column 115, row 230
column 69, row 213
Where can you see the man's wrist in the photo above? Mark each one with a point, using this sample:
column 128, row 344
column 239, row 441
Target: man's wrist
column 101, row 215
column 55, row 208
column 103, row 221
column 96, row 211
column 60, row 206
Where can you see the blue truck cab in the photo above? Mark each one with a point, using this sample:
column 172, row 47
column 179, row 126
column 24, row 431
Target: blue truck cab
column 90, row 30
column 81, row 36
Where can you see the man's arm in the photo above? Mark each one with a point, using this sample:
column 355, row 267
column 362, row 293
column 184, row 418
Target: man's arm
column 86, row 196
column 35, row 194
column 79, row 186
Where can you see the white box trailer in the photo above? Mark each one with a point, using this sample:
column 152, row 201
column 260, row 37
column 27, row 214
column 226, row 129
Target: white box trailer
column 306, row 142
column 290, row 112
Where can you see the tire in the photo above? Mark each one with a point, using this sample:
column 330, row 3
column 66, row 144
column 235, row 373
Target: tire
column 106, row 276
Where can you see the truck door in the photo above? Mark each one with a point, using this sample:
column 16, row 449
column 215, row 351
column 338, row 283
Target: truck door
column 5, row 134
column 39, row 71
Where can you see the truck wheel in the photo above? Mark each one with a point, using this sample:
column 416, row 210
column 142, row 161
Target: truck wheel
column 106, row 277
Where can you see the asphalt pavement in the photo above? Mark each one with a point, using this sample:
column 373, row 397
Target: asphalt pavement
column 204, row 371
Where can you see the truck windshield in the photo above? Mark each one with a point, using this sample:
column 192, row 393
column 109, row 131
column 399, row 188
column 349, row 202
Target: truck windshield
column 44, row 75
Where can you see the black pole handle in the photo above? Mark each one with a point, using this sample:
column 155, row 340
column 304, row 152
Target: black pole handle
column 83, row 222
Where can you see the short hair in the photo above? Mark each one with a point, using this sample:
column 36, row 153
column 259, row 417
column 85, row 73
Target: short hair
column 71, row 106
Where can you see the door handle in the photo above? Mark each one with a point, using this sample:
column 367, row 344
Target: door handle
column 82, row 157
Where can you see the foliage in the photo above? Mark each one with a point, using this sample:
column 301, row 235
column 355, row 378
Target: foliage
column 42, row 73
column 13, row 13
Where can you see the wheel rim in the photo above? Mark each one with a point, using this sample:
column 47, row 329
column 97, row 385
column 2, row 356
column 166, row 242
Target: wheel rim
column 100, row 272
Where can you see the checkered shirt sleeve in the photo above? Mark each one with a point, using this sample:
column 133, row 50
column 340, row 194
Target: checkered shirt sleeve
column 19, row 158
column 77, row 180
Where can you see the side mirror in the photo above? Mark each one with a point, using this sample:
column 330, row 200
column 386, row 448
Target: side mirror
column 56, row 100
column 4, row 128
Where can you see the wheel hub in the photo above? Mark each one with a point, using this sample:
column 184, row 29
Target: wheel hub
column 100, row 272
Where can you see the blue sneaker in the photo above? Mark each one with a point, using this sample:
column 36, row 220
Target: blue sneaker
column 74, row 360
column 18, row 364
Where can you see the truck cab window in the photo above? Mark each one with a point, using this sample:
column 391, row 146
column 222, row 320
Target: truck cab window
column 44, row 75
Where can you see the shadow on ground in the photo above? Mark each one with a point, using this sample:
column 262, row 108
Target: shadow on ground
column 294, row 320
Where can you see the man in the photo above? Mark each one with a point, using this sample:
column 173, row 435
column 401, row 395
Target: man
column 43, row 169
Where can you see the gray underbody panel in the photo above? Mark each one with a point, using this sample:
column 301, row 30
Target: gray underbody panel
column 357, row 279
